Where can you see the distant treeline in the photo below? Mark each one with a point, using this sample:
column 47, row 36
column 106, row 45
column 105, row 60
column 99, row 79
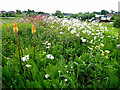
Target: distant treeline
column 19, row 13
column 86, row 15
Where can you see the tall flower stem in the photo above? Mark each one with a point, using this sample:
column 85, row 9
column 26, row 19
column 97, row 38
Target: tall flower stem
column 34, row 47
column 64, row 44
column 21, row 49
column 33, row 31
column 15, row 28
column 18, row 48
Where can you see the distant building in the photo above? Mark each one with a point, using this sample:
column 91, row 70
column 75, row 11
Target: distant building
column 13, row 12
column 104, row 18
column 67, row 14
column 50, row 13
column 47, row 13
column 98, row 16
column 24, row 12
column 119, row 12
column 1, row 12
column 33, row 12
column 109, row 16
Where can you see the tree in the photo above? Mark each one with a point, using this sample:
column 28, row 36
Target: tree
column 90, row 15
column 40, row 12
column 59, row 14
column 8, row 14
column 86, row 12
column 104, row 12
column 18, row 12
column 28, row 11
column 112, row 11
column 32, row 11
column 82, row 17
column 74, row 15
column 80, row 13
column 116, row 22
column 97, row 13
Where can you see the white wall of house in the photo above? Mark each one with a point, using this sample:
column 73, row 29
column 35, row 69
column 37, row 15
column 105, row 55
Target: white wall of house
column 108, row 18
column 103, row 18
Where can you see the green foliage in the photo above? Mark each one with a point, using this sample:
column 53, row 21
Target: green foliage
column 112, row 11
column 116, row 22
column 104, row 12
column 29, row 11
column 74, row 15
column 112, row 18
column 76, row 63
column 83, row 16
column 18, row 12
column 59, row 14
column 8, row 14
column 18, row 15
column 99, row 13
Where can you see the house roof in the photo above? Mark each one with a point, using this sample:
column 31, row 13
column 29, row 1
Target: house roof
column 24, row 11
column 12, row 11
column 98, row 15
column 103, row 18
column 1, row 12
column 109, row 15
column 67, row 14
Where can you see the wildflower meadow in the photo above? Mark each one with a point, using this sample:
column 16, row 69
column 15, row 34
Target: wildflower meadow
column 51, row 52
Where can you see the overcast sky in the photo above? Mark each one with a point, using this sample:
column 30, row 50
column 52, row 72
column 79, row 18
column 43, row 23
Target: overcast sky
column 68, row 6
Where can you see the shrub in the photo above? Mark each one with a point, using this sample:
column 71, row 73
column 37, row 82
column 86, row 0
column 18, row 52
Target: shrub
column 116, row 22
column 8, row 14
column 18, row 15
column 74, row 15
column 113, row 18
column 59, row 14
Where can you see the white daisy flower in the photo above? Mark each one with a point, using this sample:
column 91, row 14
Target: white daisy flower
column 107, row 51
column 118, row 45
column 47, row 75
column 83, row 40
column 50, row 56
column 95, row 37
column 23, row 59
column 66, row 66
column 27, row 65
column 45, row 42
column 66, row 71
column 77, row 35
column 27, row 56
column 91, row 41
column 49, row 43
column 59, row 71
column 61, row 32
column 44, row 52
column 66, row 80
column 92, row 34
column 102, row 45
column 73, row 31
column 48, row 47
